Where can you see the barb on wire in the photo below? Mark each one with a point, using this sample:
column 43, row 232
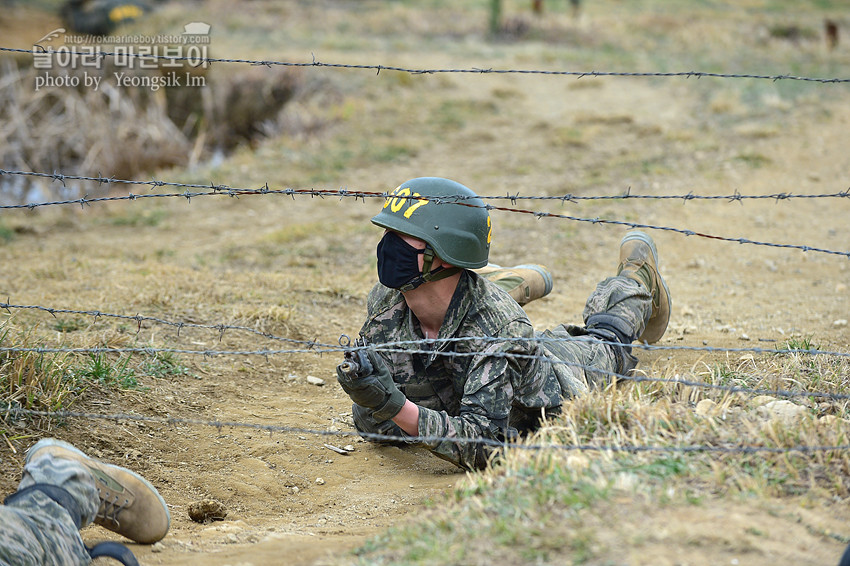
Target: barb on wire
column 174, row 421
column 195, row 60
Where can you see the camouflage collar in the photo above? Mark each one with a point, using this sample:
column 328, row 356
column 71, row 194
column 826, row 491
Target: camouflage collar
column 458, row 307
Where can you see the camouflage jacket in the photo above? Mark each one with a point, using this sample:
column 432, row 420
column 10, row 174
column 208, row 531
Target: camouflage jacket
column 490, row 388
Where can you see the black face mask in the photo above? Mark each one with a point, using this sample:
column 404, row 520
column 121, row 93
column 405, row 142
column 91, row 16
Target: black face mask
column 398, row 262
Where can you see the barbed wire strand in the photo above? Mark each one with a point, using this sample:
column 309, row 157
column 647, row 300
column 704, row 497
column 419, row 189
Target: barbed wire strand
column 342, row 193
column 206, row 61
column 139, row 319
column 392, row 348
column 225, row 190
column 429, row 343
column 174, row 421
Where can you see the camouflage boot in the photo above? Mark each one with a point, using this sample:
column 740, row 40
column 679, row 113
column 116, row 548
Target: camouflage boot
column 524, row 283
column 129, row 505
column 639, row 261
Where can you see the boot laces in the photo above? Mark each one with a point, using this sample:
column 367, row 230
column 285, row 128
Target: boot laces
column 110, row 507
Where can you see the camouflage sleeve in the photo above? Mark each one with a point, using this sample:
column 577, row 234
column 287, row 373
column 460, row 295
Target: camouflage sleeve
column 485, row 408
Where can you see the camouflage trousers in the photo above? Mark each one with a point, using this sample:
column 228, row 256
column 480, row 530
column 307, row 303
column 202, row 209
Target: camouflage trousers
column 617, row 311
column 34, row 529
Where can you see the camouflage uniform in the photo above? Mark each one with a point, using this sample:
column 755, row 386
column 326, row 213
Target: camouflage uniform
column 38, row 531
column 496, row 389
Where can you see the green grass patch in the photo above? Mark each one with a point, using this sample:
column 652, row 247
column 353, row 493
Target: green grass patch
column 6, row 234
column 804, row 343
column 725, row 375
column 33, row 378
column 164, row 364
column 134, row 217
column 68, row 325
column 100, row 368
column 754, row 160
column 520, row 516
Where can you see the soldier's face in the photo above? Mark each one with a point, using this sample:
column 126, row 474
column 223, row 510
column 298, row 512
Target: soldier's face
column 416, row 243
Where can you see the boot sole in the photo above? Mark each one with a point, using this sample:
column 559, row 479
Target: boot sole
column 657, row 329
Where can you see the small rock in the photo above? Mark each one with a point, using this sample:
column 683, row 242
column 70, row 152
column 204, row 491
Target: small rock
column 840, row 323
column 744, row 337
column 313, row 380
column 760, row 400
column 207, row 510
column 294, row 490
column 706, row 408
column 320, row 481
column 828, row 420
column 783, row 411
column 348, row 448
column 578, row 462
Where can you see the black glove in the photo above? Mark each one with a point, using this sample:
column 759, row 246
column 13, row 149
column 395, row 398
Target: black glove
column 366, row 379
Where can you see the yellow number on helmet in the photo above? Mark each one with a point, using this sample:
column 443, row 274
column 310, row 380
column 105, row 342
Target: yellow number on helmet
column 125, row 12
column 414, row 205
column 400, row 199
column 389, row 198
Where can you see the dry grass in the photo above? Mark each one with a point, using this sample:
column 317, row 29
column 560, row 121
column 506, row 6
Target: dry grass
column 33, row 380
column 134, row 132
column 41, row 128
column 632, row 442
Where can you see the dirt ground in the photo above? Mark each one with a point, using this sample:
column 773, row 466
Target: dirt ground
column 300, row 268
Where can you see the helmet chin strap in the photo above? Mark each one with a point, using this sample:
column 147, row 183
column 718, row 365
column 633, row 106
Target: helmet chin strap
column 429, row 274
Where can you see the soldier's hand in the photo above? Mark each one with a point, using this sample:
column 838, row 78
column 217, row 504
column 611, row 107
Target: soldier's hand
column 367, row 381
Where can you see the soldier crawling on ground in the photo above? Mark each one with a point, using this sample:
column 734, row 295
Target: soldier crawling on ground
column 487, row 374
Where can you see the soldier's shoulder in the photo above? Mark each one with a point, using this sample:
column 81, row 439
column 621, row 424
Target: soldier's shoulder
column 495, row 308
column 381, row 299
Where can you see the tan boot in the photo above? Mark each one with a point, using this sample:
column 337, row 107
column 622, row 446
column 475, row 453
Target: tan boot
column 129, row 505
column 639, row 261
column 524, row 283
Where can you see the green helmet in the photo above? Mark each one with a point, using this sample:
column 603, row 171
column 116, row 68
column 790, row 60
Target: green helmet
column 433, row 210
